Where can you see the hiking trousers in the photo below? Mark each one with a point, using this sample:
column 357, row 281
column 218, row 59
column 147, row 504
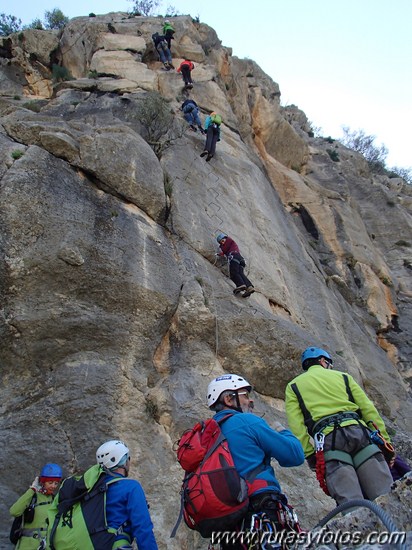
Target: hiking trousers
column 211, row 139
column 236, row 271
column 372, row 479
column 192, row 116
column 164, row 53
column 186, row 74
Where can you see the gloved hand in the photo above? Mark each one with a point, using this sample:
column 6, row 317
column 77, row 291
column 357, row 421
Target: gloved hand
column 311, row 460
column 36, row 486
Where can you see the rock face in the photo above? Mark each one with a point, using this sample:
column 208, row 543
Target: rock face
column 115, row 315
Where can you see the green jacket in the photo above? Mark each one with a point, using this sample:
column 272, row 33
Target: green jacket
column 40, row 518
column 324, row 393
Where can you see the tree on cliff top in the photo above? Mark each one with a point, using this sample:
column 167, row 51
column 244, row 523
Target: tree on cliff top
column 145, row 7
column 9, row 24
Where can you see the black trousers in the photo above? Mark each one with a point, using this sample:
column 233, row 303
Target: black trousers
column 236, row 271
column 186, row 74
column 211, row 139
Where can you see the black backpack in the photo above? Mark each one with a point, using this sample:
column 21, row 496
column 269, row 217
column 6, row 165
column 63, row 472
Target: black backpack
column 28, row 514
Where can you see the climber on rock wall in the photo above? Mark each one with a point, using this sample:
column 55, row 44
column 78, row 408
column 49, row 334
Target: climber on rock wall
column 236, row 264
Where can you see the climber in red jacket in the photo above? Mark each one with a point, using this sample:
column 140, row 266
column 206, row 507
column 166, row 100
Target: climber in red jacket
column 185, row 68
column 236, row 261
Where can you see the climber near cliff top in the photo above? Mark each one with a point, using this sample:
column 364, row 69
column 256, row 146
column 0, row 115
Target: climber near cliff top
column 212, row 129
column 253, row 443
column 168, row 32
column 331, row 407
column 162, row 49
column 236, row 261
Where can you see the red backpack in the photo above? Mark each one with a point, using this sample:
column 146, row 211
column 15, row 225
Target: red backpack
column 214, row 496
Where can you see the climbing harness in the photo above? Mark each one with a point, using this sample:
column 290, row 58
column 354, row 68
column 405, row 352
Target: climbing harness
column 315, row 429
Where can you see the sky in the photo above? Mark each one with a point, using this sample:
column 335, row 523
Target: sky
column 343, row 62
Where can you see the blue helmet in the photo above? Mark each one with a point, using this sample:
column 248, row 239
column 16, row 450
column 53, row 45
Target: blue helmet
column 220, row 236
column 314, row 353
column 51, row 470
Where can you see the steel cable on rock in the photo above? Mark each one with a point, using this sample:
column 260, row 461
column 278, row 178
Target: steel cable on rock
column 380, row 512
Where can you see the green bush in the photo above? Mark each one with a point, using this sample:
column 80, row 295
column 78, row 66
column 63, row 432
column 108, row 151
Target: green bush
column 333, row 155
column 60, row 73
column 17, row 154
column 32, row 106
column 157, row 122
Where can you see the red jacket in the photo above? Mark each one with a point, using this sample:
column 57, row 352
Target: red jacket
column 229, row 247
column 186, row 62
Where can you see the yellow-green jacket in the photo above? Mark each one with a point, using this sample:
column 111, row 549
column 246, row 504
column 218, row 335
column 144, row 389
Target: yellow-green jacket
column 38, row 525
column 324, row 393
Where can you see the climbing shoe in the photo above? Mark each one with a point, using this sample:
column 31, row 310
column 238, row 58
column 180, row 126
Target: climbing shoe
column 239, row 289
column 250, row 290
column 193, row 128
column 171, row 66
column 204, row 153
column 209, row 156
column 166, row 67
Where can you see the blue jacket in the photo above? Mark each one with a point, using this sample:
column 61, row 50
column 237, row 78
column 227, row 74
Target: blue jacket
column 252, row 442
column 126, row 501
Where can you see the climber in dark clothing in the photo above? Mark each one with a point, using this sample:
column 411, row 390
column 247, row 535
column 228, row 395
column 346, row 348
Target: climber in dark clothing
column 191, row 115
column 163, row 51
column 212, row 128
column 236, row 264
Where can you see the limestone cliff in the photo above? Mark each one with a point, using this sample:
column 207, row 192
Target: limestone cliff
column 114, row 314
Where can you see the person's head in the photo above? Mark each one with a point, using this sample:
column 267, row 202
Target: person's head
column 50, row 478
column 316, row 356
column 221, row 237
column 229, row 391
column 114, row 456
column 167, row 22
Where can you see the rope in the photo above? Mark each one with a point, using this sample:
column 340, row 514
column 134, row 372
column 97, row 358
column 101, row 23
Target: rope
column 382, row 515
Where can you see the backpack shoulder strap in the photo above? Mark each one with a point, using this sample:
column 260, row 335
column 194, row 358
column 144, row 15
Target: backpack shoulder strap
column 307, row 417
column 350, row 394
column 348, row 390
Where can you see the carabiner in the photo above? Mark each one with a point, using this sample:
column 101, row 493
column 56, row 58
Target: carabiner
column 319, row 440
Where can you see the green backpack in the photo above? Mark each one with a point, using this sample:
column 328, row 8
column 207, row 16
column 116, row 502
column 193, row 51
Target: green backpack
column 77, row 517
column 216, row 119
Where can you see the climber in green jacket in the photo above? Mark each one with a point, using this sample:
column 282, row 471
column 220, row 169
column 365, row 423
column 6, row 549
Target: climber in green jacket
column 34, row 505
column 330, row 407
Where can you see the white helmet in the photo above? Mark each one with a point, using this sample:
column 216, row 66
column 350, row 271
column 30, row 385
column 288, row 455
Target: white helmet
column 110, row 454
column 223, row 383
